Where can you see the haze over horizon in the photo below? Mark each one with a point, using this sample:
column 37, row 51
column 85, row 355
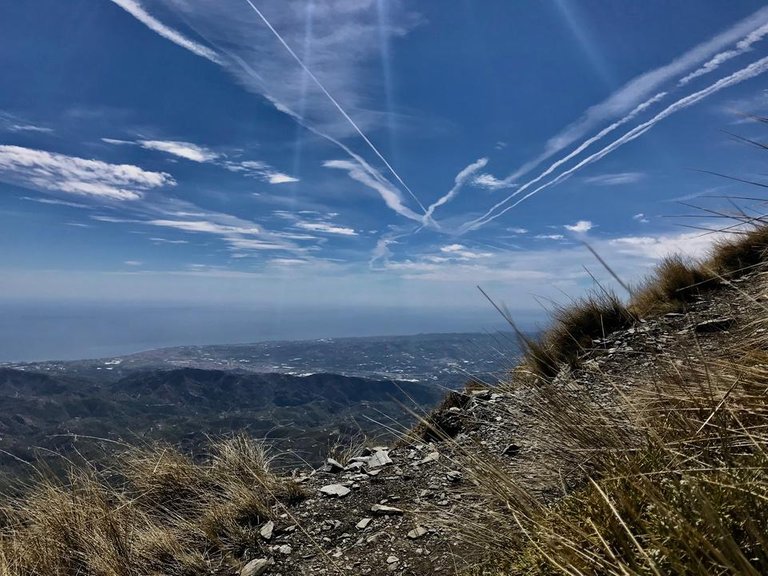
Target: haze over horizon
column 177, row 171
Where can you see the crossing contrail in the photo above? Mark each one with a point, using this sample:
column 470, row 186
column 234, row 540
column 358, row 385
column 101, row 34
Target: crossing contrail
column 578, row 150
column 755, row 69
column 334, row 102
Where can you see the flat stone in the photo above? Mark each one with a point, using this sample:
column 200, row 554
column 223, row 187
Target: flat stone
column 392, row 559
column 335, row 490
column 379, row 459
column 417, row 532
column 332, row 465
column 285, row 549
column 256, row 567
column 431, row 457
column 267, row 529
column 363, row 524
column 382, row 510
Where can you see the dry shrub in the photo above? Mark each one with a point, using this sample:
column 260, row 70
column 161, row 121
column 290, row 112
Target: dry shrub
column 157, row 511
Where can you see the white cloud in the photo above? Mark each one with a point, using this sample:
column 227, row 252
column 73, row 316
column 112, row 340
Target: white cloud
column 167, row 241
column 490, row 182
column 54, row 202
column 137, row 11
column 201, row 154
column 461, row 252
column 615, row 179
column 185, row 150
column 326, row 228
column 118, row 142
column 581, row 227
column 42, row 170
column 260, row 170
column 549, row 236
column 206, row 227
column 133, row 262
column 288, row 262
column 693, row 244
column 640, row 217
column 280, row 178
column 517, row 230
column 29, row 128
column 13, row 123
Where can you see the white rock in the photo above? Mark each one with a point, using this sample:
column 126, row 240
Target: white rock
column 285, row 549
column 382, row 510
column 417, row 532
column 337, row 490
column 379, row 459
column 267, row 529
column 392, row 559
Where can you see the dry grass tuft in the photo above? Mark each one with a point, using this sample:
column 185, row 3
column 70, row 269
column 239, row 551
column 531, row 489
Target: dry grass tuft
column 741, row 253
column 157, row 512
column 674, row 284
column 574, row 330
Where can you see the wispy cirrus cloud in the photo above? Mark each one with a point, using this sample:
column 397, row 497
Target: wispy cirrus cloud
column 54, row 172
column 186, row 150
column 615, row 179
column 135, row 9
column 373, row 180
column 204, row 154
column 326, row 228
column 13, row 123
column 297, row 55
column 260, row 170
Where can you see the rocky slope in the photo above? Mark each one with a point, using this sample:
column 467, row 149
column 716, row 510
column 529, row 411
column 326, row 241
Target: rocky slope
column 392, row 510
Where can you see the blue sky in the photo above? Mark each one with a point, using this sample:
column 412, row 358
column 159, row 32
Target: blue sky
column 293, row 155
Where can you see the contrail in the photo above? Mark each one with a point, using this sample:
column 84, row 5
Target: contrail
column 461, row 178
column 333, row 101
column 642, row 86
column 717, row 60
column 583, row 146
column 755, row 69
column 372, row 172
column 137, row 11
